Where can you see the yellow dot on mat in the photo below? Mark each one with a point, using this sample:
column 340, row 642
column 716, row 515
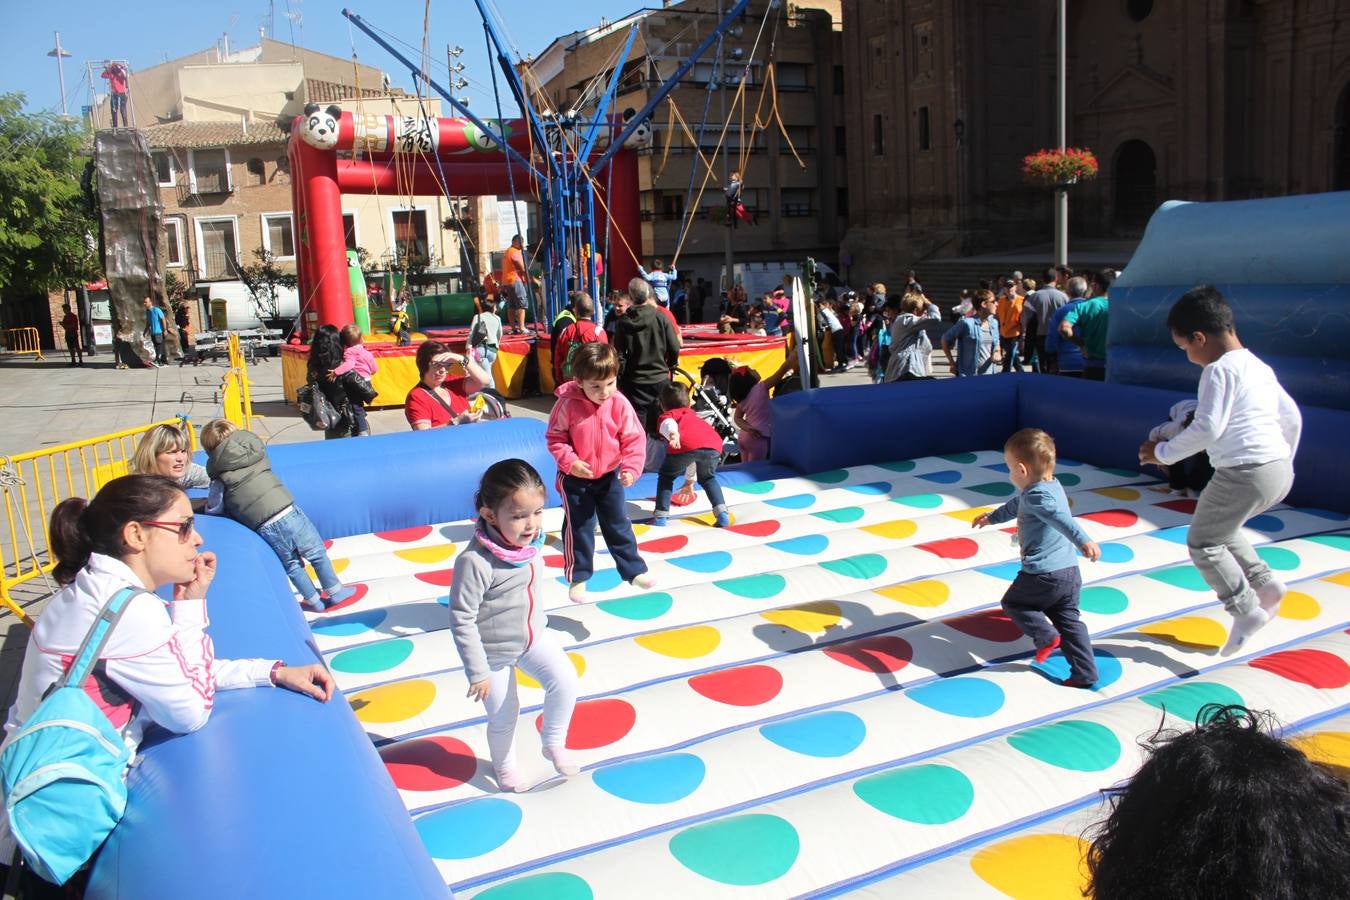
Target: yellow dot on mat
column 578, row 663
column 708, row 518
column 969, row 515
column 1192, row 632
column 641, row 529
column 900, row 528
column 433, row 554
column 395, row 702
column 917, row 593
column 1118, row 493
column 1300, row 606
column 1330, row 747
column 1341, row 578
column 1034, row 867
column 338, row 566
column 808, row 618
column 682, row 643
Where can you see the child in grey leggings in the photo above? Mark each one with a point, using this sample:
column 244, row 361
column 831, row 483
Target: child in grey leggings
column 1250, row 428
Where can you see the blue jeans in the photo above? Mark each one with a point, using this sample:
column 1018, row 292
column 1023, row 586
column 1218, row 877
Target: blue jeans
column 1034, row 598
column 295, row 539
column 705, row 465
column 485, row 356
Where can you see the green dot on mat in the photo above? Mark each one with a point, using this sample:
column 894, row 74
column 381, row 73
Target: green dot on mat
column 1278, row 558
column 1186, row 699
column 993, row 489
column 1076, row 745
column 928, row 794
column 847, row 514
column 958, row 457
column 920, row 501
column 904, row 465
column 864, row 565
column 373, row 657
column 742, row 850
column 1068, row 479
column 1185, row 577
column 753, row 487
column 754, row 587
column 553, row 885
column 1103, row 600
column 1339, row 541
column 643, row 606
column 834, row 476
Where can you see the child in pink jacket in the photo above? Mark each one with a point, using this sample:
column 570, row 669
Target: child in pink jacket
column 356, row 358
column 600, row 446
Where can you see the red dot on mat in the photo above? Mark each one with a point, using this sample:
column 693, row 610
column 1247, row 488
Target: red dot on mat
column 597, row 723
column 1315, row 668
column 328, row 545
column 742, row 686
column 991, row 625
column 1116, row 518
column 665, row 544
column 429, row 764
column 555, row 561
column 1184, row 505
column 440, row 577
column 757, row 529
column 361, row 591
column 952, row 548
column 405, row 535
column 883, row 653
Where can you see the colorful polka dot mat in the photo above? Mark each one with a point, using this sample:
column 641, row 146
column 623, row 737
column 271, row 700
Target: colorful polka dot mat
column 825, row 697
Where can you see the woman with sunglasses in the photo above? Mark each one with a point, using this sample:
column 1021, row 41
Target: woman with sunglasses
column 158, row 666
column 439, row 398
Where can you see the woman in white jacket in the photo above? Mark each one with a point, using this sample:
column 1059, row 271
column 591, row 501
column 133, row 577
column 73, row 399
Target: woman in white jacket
column 159, row 665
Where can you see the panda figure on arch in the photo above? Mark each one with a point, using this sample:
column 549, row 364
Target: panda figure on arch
column 319, row 127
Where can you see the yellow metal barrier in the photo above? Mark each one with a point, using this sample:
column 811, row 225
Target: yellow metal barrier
column 24, row 341
column 34, row 483
column 234, row 387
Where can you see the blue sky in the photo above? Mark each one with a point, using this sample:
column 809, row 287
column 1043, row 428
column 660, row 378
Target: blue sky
column 145, row 32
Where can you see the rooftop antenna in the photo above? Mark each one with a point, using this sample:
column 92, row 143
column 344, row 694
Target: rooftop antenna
column 60, row 53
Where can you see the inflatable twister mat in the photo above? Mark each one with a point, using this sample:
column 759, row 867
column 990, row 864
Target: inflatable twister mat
column 825, row 697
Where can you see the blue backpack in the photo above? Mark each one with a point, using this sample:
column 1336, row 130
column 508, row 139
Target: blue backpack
column 67, row 757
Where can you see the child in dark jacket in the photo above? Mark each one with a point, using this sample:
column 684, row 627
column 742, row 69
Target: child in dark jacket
column 244, row 488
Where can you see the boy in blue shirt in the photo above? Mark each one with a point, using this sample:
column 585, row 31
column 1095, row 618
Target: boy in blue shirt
column 1049, row 583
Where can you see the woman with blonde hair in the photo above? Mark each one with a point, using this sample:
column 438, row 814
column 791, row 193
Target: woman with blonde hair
column 164, row 450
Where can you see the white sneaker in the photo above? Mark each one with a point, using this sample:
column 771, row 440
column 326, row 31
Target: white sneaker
column 1243, row 628
column 1271, row 594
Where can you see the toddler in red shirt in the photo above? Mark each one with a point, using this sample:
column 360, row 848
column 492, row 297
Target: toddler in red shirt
column 693, row 442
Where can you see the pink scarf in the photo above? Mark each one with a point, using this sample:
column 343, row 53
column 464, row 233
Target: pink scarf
column 507, row 553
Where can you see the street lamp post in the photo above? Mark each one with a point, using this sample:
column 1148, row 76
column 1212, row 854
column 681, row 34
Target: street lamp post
column 1061, row 114
column 60, row 53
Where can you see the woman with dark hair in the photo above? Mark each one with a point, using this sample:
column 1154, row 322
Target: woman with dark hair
column 325, row 355
column 439, row 398
column 158, row 666
column 1228, row 811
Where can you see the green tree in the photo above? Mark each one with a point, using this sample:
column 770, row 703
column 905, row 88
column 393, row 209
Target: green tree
column 263, row 280
column 47, row 227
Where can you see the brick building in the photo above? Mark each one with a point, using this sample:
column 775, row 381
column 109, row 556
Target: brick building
column 800, row 208
column 1204, row 100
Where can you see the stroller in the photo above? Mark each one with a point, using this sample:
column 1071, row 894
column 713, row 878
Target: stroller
column 709, row 395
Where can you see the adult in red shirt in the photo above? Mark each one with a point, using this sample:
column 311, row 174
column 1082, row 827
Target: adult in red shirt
column 70, row 324
column 439, row 399
column 116, row 73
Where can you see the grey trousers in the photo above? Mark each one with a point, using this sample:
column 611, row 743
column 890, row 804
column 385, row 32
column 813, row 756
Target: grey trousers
column 1224, row 557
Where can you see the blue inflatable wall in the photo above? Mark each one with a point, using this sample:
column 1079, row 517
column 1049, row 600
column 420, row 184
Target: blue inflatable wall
column 1284, row 266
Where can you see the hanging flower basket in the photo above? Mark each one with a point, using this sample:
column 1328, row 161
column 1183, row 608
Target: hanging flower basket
column 1059, row 168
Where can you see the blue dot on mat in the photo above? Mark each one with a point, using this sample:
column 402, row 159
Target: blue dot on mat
column 971, row 698
column 824, row 734
column 715, row 561
column 998, row 467
column 1007, row 571
column 1176, row 534
column 806, row 545
column 349, row 625
column 661, row 779
column 443, row 599
column 1056, row 668
column 603, row 580
column 945, row 476
column 1265, row 522
column 469, row 829
column 795, row 501
column 1113, row 552
column 871, row 488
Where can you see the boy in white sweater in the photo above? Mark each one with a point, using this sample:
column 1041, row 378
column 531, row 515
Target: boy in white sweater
column 1250, row 427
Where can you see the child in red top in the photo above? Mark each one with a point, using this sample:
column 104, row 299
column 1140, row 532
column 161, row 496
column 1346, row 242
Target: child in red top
column 693, row 442
column 600, row 446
